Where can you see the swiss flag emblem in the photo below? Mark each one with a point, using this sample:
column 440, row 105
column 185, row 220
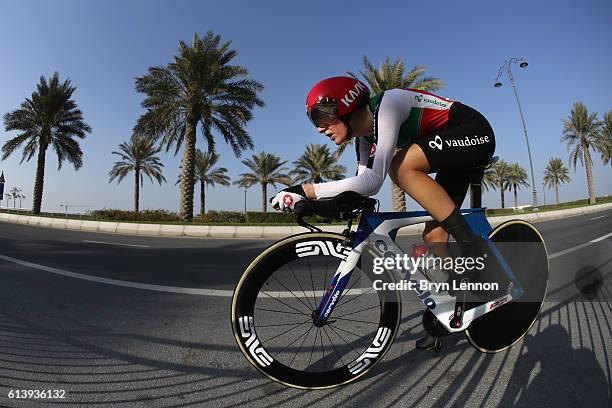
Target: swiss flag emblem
column 287, row 199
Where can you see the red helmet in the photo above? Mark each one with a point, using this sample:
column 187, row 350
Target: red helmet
column 335, row 97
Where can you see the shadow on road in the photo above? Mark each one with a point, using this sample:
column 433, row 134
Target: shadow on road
column 93, row 347
column 527, row 390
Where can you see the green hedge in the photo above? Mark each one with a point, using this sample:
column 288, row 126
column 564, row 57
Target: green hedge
column 233, row 217
column 548, row 207
column 223, row 217
column 251, row 217
column 145, row 215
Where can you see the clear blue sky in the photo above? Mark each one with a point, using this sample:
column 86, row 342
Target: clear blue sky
column 288, row 46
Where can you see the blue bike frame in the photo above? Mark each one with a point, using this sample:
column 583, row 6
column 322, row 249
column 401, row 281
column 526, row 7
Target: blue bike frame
column 378, row 230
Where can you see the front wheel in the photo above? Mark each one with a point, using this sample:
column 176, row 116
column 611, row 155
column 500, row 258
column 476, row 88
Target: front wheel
column 275, row 305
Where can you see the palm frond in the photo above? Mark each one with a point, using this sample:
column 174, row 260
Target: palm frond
column 139, row 153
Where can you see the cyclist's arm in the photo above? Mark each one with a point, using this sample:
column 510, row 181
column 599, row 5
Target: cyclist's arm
column 363, row 149
column 372, row 170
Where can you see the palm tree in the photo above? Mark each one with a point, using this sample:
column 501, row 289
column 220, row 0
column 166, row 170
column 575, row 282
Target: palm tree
column 48, row 118
column 16, row 195
column 266, row 169
column 495, row 177
column 555, row 174
column 581, row 132
column 137, row 155
column 199, row 86
column 317, row 165
column 390, row 75
column 517, row 178
column 606, row 138
column 207, row 175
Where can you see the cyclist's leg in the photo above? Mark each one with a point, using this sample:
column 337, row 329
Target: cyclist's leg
column 455, row 182
column 451, row 154
column 410, row 167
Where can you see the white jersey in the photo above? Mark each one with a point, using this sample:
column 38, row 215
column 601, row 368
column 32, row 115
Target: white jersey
column 400, row 117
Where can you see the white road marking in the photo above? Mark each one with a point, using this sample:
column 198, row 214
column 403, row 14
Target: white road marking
column 577, row 247
column 163, row 288
column 220, row 292
column 116, row 243
column 596, row 218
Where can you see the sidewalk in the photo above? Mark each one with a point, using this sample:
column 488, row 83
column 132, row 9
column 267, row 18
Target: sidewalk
column 214, row 231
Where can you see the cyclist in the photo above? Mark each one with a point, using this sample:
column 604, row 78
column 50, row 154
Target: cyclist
column 433, row 134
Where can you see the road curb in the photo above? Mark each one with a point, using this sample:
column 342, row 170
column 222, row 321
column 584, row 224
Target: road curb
column 248, row 232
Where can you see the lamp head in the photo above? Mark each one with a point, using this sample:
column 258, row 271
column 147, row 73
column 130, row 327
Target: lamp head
column 523, row 64
column 497, row 84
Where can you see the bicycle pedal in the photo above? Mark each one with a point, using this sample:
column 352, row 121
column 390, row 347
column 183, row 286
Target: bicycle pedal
column 438, row 345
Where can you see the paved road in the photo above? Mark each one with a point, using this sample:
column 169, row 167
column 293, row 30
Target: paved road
column 111, row 345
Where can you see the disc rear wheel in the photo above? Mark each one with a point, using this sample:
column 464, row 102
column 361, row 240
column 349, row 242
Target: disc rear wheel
column 524, row 250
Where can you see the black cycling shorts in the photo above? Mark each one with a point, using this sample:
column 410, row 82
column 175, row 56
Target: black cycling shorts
column 453, row 153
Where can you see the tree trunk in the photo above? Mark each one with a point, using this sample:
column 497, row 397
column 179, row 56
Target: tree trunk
column 264, row 197
column 501, row 190
column 202, row 198
column 40, row 179
column 136, row 190
column 515, row 198
column 187, row 177
column 557, row 190
column 589, row 171
column 398, row 197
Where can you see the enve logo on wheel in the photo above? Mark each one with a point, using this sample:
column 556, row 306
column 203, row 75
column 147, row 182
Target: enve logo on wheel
column 378, row 345
column 247, row 330
column 312, row 248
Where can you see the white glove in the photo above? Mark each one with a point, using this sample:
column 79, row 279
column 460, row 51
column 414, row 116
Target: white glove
column 285, row 200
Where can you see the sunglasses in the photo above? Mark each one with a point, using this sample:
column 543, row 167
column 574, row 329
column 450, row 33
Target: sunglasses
column 323, row 114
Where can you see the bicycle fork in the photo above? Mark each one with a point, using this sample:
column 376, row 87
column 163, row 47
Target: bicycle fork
column 330, row 298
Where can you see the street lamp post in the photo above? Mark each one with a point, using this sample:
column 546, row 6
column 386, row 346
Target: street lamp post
column 2, row 181
column 507, row 66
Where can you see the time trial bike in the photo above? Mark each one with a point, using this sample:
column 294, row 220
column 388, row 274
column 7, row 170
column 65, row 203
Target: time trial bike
column 309, row 312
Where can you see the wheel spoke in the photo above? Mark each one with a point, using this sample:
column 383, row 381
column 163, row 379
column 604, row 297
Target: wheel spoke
column 280, row 324
column 313, row 347
column 348, row 331
column 290, row 291
column 361, row 294
column 332, row 344
column 322, row 350
column 362, row 310
column 355, row 281
column 279, row 311
column 296, row 339
column 286, row 331
column 314, row 298
column 302, row 344
column 283, row 303
column 300, row 285
column 342, row 338
column 354, row 320
column 325, row 280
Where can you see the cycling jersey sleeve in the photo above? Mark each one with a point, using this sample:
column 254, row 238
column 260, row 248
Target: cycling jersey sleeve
column 363, row 149
column 374, row 161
